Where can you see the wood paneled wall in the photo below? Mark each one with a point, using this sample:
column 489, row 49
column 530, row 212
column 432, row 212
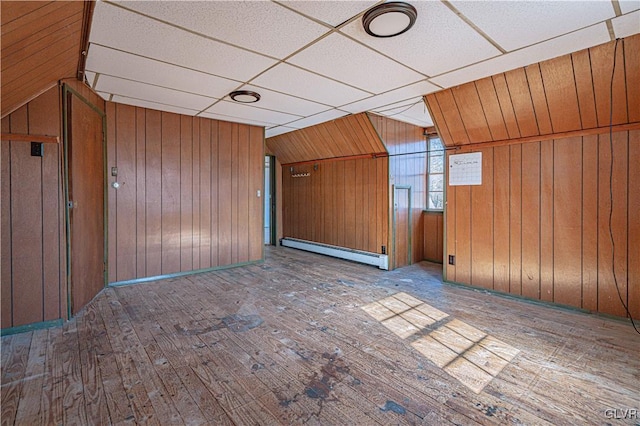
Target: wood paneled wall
column 538, row 224
column 407, row 147
column 563, row 94
column 343, row 137
column 343, row 203
column 433, row 236
column 41, row 44
column 188, row 198
column 33, row 236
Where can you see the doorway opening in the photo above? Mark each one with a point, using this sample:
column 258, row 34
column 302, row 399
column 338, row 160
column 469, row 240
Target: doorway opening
column 401, row 226
column 269, row 200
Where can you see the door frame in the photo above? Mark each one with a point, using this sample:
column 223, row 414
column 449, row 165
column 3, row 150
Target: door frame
column 409, row 223
column 272, row 197
column 66, row 92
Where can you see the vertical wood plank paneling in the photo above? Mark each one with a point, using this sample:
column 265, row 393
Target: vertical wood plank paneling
column 567, row 241
column 589, row 216
column 632, row 74
column 153, row 179
column 515, row 219
column 522, row 102
column 438, row 117
column 539, row 98
column 584, row 88
column 451, row 114
column 197, row 232
column 170, row 193
column 531, row 220
column 316, row 216
column 633, row 225
column 205, row 194
column 450, row 224
column 224, row 192
column 382, row 190
column 111, row 196
column 44, row 114
column 26, row 214
column 491, row 108
column 215, row 187
column 350, row 203
column 186, row 195
column 506, row 106
column 5, row 217
column 256, row 214
column 243, row 193
column 471, row 112
column 602, row 65
column 126, row 193
column 463, row 234
column 482, row 229
column 141, row 192
column 235, row 177
column 608, row 299
column 501, row 231
column 546, row 220
column 339, row 212
column 562, row 98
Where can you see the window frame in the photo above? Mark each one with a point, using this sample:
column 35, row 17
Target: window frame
column 435, row 153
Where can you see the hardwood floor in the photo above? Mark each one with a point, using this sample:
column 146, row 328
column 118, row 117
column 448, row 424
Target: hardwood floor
column 305, row 338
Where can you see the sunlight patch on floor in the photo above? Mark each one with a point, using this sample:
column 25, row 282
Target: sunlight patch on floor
column 469, row 355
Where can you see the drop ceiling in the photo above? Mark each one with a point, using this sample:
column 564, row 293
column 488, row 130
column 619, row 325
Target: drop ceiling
column 311, row 61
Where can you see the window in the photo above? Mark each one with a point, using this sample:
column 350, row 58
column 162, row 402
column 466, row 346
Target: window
column 435, row 174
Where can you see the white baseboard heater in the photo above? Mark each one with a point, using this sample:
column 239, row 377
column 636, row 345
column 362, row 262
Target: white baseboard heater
column 375, row 259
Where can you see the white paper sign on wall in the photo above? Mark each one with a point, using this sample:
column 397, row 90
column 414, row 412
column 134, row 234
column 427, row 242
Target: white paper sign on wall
column 465, row 169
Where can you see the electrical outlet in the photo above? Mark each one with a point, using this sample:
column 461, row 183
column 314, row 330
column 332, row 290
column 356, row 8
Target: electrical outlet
column 36, row 149
column 452, row 259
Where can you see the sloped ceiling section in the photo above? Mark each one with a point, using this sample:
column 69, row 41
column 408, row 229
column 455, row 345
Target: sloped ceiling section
column 564, row 94
column 41, row 44
column 343, row 137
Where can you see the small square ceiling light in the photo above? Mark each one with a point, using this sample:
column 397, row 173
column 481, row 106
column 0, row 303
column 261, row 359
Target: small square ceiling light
column 389, row 19
column 245, row 96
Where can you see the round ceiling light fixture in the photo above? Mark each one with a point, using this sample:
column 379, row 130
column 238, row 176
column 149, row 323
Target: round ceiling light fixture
column 245, row 96
column 389, row 19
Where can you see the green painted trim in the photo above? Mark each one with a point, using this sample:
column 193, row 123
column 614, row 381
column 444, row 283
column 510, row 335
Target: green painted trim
column 182, row 274
column 85, row 100
column 31, row 327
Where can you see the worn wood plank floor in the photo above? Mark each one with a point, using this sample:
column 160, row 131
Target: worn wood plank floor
column 304, row 338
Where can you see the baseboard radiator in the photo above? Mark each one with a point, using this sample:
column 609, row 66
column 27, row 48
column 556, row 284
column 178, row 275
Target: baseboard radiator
column 375, row 259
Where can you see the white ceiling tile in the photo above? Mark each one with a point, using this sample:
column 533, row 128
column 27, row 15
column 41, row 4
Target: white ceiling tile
column 89, row 76
column 412, row 120
column 397, row 95
column 438, row 42
column 317, row 119
column 152, row 105
column 333, row 13
column 627, row 25
column 284, row 103
column 627, row 6
column 572, row 42
column 147, row 92
column 341, row 58
column 232, row 119
column 515, row 24
column 261, row 26
column 114, row 27
column 417, row 112
column 104, row 95
column 294, row 81
column 132, row 67
column 251, row 112
column 278, row 130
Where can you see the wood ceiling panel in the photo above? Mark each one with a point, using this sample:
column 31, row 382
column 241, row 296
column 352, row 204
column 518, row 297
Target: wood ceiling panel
column 41, row 44
column 558, row 76
column 352, row 135
column 570, row 93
